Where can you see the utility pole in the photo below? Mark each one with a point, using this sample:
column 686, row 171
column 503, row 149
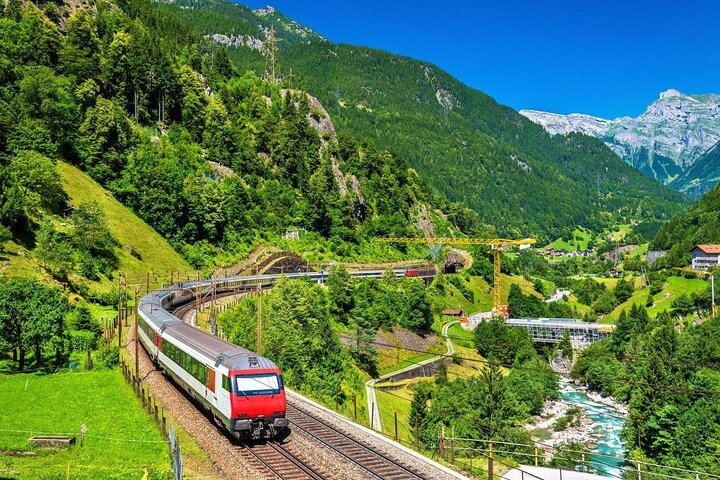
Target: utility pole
column 259, row 325
column 125, row 300
column 120, row 310
column 137, row 340
column 712, row 292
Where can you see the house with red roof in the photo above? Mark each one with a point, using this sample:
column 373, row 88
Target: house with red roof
column 705, row 256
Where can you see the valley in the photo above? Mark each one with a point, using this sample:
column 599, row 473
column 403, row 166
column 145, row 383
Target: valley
column 432, row 284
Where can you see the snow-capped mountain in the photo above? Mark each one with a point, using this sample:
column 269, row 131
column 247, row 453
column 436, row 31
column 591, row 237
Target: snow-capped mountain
column 672, row 133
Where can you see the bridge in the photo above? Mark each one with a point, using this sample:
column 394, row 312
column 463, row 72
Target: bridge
column 552, row 330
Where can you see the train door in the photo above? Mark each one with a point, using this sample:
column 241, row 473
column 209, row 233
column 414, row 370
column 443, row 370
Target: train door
column 223, row 392
column 210, row 384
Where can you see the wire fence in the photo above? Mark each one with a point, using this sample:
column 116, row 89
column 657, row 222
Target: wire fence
column 156, row 411
column 539, row 453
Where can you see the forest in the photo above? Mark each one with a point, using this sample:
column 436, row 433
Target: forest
column 215, row 159
column 670, row 381
column 699, row 225
column 465, row 144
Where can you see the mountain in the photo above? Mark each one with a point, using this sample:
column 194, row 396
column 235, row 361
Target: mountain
column 460, row 140
column 700, row 177
column 668, row 138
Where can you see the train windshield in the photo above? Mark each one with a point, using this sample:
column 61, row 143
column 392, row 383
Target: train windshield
column 260, row 384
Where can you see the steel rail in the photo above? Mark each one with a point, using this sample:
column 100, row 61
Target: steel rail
column 401, row 471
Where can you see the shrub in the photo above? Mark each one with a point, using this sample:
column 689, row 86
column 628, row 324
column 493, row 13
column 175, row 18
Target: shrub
column 108, row 356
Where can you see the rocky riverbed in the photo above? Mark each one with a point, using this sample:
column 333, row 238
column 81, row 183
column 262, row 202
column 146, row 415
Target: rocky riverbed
column 598, row 425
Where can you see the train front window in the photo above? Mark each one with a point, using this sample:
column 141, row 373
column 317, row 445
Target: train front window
column 260, row 384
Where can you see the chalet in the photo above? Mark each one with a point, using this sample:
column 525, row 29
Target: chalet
column 453, row 312
column 704, row 256
column 614, row 272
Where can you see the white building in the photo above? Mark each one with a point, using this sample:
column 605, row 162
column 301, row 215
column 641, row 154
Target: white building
column 705, row 256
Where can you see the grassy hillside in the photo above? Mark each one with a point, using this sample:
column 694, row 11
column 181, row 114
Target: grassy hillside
column 142, row 249
column 672, row 289
column 121, row 442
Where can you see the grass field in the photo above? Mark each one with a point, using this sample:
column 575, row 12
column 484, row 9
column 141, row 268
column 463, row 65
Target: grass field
column 580, row 241
column 155, row 253
column 453, row 298
column 121, row 442
column 460, row 336
column 673, row 288
column 641, row 251
column 617, row 233
column 525, row 286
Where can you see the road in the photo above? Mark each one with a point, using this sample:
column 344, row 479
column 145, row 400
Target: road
column 372, row 404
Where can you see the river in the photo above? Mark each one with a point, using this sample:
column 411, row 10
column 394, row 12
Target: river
column 609, row 423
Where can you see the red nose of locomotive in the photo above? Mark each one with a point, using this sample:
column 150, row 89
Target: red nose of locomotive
column 258, row 402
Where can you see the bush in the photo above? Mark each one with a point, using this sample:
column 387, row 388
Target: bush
column 5, row 236
column 108, row 356
column 106, row 298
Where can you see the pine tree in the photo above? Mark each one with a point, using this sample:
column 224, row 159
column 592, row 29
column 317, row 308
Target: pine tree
column 419, row 409
column 441, row 374
column 565, row 345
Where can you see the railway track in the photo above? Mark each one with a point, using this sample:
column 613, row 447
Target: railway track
column 376, row 464
column 289, row 461
column 182, row 310
column 280, row 462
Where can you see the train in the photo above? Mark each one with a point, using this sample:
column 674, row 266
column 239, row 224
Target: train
column 241, row 389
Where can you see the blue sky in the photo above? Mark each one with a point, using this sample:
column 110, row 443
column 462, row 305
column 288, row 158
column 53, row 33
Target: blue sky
column 605, row 58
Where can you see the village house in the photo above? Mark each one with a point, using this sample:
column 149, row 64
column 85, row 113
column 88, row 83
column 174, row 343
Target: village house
column 705, row 256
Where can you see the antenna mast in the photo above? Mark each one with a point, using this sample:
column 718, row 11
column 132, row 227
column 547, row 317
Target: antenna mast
column 271, row 54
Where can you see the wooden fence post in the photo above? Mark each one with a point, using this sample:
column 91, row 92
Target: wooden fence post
column 442, row 443
column 396, row 430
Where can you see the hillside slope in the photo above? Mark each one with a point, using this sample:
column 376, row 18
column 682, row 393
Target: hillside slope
column 141, row 249
column 467, row 146
column 701, row 176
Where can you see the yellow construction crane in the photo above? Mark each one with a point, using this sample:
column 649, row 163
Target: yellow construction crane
column 497, row 245
column 704, row 274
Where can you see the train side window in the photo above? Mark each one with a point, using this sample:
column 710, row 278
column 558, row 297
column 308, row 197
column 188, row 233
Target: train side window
column 226, row 383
